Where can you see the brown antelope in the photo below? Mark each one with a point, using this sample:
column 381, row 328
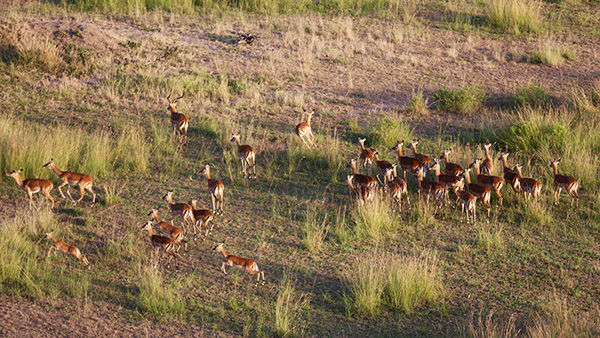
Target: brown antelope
column 247, row 156
column 529, row 185
column 64, row 247
column 160, row 242
column 400, row 182
column 361, row 193
column 456, row 183
column 33, row 186
column 429, row 188
column 451, row 168
column 179, row 121
column 568, row 183
column 215, row 188
column 241, row 263
column 487, row 166
column 204, row 216
column 171, row 231
column 406, row 163
column 365, row 159
column 182, row 210
column 382, row 166
column 304, row 131
column 394, row 189
column 483, row 193
column 69, row 178
column 467, row 203
column 361, row 180
column 424, row 159
column 492, row 182
column 511, row 178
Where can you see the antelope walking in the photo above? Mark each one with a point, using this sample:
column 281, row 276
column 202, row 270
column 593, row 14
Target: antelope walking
column 406, row 163
column 361, row 180
column 483, row 193
column 215, row 188
column 171, row 231
column 160, row 242
column 568, row 183
column 487, row 166
column 492, row 182
column 529, row 185
column 247, row 156
column 182, row 210
column 429, row 188
column 468, row 202
column 382, row 166
column 451, row 168
column 511, row 178
column 456, row 183
column 424, row 159
column 241, row 263
column 33, row 186
column 365, row 160
column 69, row 178
column 179, row 122
column 204, row 216
column 64, row 247
column 394, row 189
column 304, row 131
column 361, row 193
column 400, row 182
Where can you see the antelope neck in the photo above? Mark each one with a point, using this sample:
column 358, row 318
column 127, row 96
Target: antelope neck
column 56, row 170
column 18, row 179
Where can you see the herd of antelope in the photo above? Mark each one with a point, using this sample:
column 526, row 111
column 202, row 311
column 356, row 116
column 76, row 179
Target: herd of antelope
column 363, row 188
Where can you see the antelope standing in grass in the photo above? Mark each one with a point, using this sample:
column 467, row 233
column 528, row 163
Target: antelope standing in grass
column 182, row 210
column 400, row 182
column 406, row 163
column 171, row 231
column 487, row 166
column 361, row 193
column 179, row 122
column 483, row 193
column 382, row 166
column 215, row 188
column 204, row 216
column 429, row 189
column 568, row 183
column 361, row 180
column 247, row 156
column 241, row 263
column 69, row 178
column 492, row 182
column 33, row 186
column 529, row 185
column 160, row 242
column 511, row 178
column 468, row 203
column 64, row 247
column 304, row 131
column 424, row 159
column 451, row 168
column 365, row 160
column 394, row 189
column 456, row 183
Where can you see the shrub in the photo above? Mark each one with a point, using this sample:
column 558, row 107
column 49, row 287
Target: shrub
column 418, row 105
column 531, row 96
column 514, row 16
column 463, row 101
column 389, row 130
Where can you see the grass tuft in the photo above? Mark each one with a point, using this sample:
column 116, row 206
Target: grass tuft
column 315, row 230
column 156, row 296
column 373, row 219
column 551, row 53
column 465, row 101
column 514, row 16
column 288, row 305
column 563, row 321
column 418, row 105
column 531, row 96
column 389, row 130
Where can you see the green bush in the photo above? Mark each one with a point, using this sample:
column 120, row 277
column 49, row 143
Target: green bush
column 389, row 130
column 467, row 100
column 531, row 96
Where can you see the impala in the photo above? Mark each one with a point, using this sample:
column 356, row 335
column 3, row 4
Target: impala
column 182, row 210
column 400, row 182
column 179, row 121
column 483, row 193
column 511, row 178
column 365, row 160
column 568, row 183
column 406, row 163
column 171, row 231
column 33, row 186
column 204, row 216
column 429, row 188
column 304, row 131
column 247, row 156
column 492, row 182
column 451, row 168
column 382, row 166
column 64, row 247
column 215, row 188
column 361, row 180
column 424, row 159
column 241, row 263
column 467, row 203
column 487, row 166
column 361, row 193
column 456, row 183
column 70, row 178
column 529, row 185
column 394, row 189
column 160, row 242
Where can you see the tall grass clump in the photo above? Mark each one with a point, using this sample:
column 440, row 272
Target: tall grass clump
column 531, row 96
column 586, row 102
column 562, row 321
column 288, row 306
column 514, row 16
column 490, row 327
column 491, row 239
column 365, row 286
column 156, row 296
column 315, row 230
column 386, row 131
column 371, row 219
column 465, row 101
column 552, row 54
column 418, row 105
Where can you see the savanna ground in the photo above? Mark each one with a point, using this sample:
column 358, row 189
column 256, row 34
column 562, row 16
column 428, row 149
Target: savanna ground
column 86, row 84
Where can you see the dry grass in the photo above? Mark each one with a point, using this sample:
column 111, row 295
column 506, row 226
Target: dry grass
column 514, row 16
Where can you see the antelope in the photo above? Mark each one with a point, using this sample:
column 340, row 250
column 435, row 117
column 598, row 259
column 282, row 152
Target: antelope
column 241, row 263
column 160, row 242
column 483, row 193
column 424, row 159
column 487, row 166
column 429, row 188
column 365, row 159
column 361, row 180
column 529, row 185
column 492, row 182
column 400, row 182
column 382, row 166
column 215, row 188
column 451, row 168
column 69, row 178
column 62, row 246
column 182, row 210
column 511, row 178
column 361, row 193
column 170, row 230
column 247, row 156
column 33, row 186
column 406, row 163
column 204, row 216
column 179, row 121
column 303, row 130
column 468, row 202
column 456, row 183
column 395, row 190
column 568, row 183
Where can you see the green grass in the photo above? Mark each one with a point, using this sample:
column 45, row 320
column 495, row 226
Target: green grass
column 553, row 54
column 418, row 105
column 156, row 296
column 531, row 96
column 315, row 229
column 374, row 219
column 464, row 101
column 288, row 306
column 514, row 16
column 385, row 132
